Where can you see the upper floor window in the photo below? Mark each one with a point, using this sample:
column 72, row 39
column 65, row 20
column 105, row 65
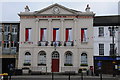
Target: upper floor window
column 56, row 34
column 111, row 48
column 6, row 44
column 28, row 34
column 101, row 31
column 14, row 29
column 84, row 37
column 101, row 49
column 68, row 34
column 43, row 34
column 0, row 28
column 6, row 37
column 7, row 28
column 14, row 37
column 111, row 32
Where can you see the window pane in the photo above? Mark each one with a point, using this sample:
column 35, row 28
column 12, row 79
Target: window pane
column 28, row 33
column 101, row 31
column 101, row 49
column 7, row 28
column 27, row 57
column 83, row 58
column 84, row 37
column 68, row 58
column 14, row 37
column 42, row 58
column 14, row 29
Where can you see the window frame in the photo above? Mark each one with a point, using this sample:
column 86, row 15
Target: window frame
column 101, row 31
column 42, row 58
column 85, row 60
column 84, row 34
column 68, row 59
column 27, row 59
column 101, row 49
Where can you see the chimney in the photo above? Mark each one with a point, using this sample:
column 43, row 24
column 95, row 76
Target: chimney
column 87, row 8
column 27, row 9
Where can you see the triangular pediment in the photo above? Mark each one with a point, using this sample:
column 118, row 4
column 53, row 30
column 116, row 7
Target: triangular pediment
column 56, row 9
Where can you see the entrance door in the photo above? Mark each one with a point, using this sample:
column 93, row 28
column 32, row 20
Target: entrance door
column 55, row 61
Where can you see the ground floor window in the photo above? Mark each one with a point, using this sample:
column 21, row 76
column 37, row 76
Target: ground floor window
column 42, row 58
column 27, row 61
column 68, row 58
column 84, row 61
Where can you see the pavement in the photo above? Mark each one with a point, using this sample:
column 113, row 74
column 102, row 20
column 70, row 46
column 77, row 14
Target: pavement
column 63, row 77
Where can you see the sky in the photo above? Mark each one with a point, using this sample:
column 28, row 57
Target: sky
column 9, row 9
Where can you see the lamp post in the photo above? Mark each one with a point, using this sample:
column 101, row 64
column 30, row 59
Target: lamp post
column 9, row 39
column 2, row 39
column 112, row 30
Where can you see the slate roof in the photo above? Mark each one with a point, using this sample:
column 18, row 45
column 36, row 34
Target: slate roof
column 107, row 20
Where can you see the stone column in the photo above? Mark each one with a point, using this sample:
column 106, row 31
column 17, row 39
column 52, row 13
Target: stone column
column 36, row 38
column 75, row 31
column 49, row 31
column 62, row 35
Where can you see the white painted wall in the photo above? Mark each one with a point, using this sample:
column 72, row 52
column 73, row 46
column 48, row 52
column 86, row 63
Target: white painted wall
column 106, row 40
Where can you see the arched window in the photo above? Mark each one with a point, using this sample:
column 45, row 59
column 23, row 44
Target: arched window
column 68, row 58
column 42, row 58
column 27, row 58
column 84, row 58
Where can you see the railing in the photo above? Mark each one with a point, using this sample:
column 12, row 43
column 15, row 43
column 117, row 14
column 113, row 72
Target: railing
column 39, row 68
column 56, row 43
column 11, row 50
column 69, row 68
column 43, row 43
column 69, row 43
column 27, row 42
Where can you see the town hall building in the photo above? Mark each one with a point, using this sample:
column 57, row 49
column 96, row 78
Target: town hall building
column 56, row 39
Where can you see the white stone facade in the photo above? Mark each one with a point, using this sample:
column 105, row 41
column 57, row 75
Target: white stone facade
column 49, row 18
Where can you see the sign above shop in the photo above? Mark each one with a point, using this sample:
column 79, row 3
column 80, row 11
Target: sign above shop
column 106, row 58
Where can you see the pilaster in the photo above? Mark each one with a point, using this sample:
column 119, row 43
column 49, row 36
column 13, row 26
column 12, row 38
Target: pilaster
column 37, row 31
column 49, row 31
column 62, row 36
column 75, row 32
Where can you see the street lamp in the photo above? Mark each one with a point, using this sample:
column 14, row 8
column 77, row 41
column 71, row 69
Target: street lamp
column 112, row 32
column 2, row 40
column 9, row 39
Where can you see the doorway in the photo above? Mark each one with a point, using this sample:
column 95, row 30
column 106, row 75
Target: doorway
column 55, row 61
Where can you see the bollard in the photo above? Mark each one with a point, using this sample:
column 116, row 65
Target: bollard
column 69, row 76
column 101, row 75
column 81, row 75
column 52, row 76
